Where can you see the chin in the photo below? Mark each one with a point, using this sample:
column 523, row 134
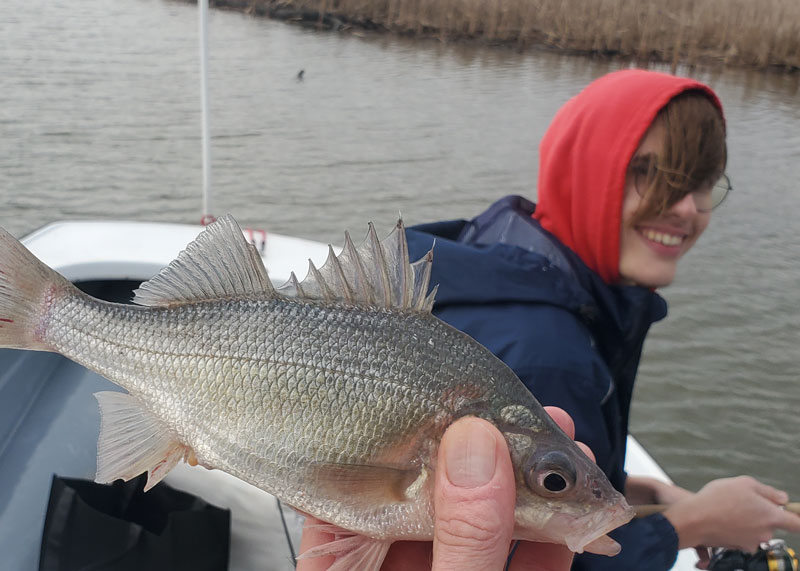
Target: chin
column 656, row 283
column 648, row 279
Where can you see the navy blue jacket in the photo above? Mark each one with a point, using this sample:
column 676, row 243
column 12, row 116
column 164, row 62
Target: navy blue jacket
column 573, row 340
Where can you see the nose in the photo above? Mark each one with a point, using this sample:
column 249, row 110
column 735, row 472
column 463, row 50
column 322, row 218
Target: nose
column 685, row 207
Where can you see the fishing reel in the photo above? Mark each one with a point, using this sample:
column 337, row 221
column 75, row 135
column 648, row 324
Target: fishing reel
column 772, row 556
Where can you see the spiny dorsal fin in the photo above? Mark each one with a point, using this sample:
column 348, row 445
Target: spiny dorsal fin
column 377, row 273
column 218, row 264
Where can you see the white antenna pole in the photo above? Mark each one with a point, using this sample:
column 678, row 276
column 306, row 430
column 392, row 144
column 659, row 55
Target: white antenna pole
column 203, row 8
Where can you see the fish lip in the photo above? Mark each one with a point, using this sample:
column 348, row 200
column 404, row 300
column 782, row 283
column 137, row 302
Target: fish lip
column 580, row 531
column 595, row 525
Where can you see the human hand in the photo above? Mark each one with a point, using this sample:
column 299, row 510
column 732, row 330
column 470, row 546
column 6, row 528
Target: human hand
column 644, row 490
column 735, row 513
column 474, row 504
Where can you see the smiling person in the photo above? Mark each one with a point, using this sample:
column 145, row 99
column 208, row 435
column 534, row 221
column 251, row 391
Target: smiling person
column 564, row 291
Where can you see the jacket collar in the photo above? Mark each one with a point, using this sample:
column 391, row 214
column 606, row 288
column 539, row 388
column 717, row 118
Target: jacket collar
column 501, row 255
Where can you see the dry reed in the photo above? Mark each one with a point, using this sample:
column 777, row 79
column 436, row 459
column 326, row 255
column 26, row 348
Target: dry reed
column 763, row 34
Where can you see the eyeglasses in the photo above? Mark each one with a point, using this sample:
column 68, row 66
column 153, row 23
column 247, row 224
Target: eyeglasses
column 706, row 197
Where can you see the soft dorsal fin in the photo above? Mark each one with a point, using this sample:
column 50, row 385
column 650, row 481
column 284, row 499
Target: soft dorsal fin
column 377, row 273
column 218, row 264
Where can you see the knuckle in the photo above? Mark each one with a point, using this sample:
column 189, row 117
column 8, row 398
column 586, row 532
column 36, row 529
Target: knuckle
column 461, row 532
column 745, row 480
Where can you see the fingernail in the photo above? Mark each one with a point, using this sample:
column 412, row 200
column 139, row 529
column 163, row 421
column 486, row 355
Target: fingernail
column 470, row 454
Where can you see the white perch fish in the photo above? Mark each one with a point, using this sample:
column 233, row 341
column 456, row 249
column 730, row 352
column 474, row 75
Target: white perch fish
column 331, row 393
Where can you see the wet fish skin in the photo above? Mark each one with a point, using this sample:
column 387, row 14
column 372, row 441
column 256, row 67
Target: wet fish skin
column 250, row 386
column 335, row 407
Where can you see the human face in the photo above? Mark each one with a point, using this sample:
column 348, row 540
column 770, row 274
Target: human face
column 649, row 250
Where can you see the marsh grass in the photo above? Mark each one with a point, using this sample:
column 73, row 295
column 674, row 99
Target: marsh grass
column 763, row 33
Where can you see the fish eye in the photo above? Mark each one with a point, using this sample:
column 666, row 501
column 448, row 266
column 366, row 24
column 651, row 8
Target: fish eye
column 553, row 482
column 552, row 475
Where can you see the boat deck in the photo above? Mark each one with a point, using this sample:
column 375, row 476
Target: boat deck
column 49, row 423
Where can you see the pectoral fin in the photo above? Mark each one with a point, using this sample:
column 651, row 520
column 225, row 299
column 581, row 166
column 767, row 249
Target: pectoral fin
column 132, row 440
column 371, row 485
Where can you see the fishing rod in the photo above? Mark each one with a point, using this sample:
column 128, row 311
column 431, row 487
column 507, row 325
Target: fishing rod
column 650, row 509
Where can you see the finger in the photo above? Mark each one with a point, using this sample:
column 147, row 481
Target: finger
column 312, row 537
column 530, row 556
column 789, row 522
column 563, row 419
column 586, row 450
column 474, row 498
column 565, row 422
column 773, row 494
column 703, row 556
column 785, row 520
column 406, row 555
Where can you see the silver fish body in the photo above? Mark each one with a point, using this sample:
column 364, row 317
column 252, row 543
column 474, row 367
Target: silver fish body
column 327, row 398
column 270, row 389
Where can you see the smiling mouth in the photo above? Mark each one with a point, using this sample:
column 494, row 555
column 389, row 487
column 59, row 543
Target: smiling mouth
column 663, row 238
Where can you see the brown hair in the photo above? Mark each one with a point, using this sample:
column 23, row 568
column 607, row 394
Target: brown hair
column 693, row 152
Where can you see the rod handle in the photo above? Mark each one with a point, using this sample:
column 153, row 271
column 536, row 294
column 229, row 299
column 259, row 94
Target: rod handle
column 650, row 509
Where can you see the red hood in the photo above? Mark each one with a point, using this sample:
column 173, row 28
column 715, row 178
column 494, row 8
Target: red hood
column 584, row 156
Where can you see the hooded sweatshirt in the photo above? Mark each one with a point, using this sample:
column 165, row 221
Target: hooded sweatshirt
column 536, row 284
column 584, row 156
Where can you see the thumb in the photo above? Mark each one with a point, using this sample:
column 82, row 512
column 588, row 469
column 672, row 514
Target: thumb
column 474, row 499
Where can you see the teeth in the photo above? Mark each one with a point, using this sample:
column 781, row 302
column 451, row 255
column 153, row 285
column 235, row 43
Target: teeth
column 661, row 238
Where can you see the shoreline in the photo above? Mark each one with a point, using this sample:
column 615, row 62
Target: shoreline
column 655, row 36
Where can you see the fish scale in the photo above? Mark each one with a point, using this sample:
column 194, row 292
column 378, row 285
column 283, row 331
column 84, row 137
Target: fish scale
column 292, row 371
column 331, row 393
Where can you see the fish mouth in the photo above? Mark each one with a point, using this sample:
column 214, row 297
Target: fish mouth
column 590, row 530
column 583, row 533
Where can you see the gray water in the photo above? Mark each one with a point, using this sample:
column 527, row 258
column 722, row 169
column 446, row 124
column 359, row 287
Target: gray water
column 99, row 119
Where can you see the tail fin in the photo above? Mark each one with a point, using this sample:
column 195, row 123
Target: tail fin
column 25, row 283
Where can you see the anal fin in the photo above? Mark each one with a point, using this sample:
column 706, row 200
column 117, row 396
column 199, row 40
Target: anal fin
column 132, row 441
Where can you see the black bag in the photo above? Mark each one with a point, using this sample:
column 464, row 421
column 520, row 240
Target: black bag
column 119, row 527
